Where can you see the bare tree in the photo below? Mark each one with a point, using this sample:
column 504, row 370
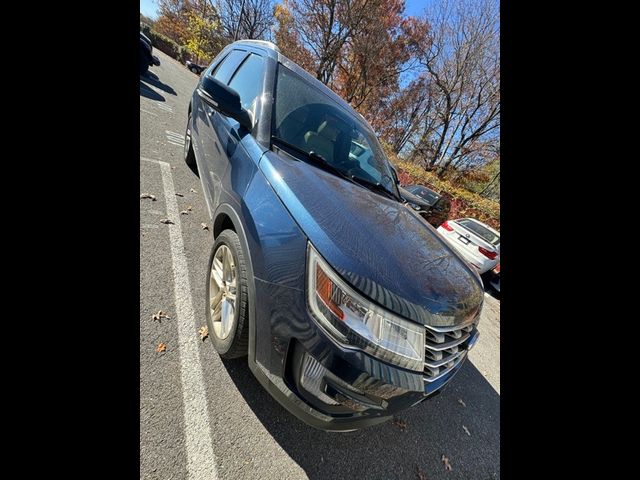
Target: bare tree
column 462, row 62
column 246, row 19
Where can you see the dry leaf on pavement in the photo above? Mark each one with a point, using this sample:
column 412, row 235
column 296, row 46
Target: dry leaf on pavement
column 461, row 402
column 445, row 460
column 401, row 424
column 466, row 430
column 148, row 195
column 204, row 332
column 193, row 190
column 184, row 212
column 179, row 194
column 421, row 474
column 162, row 347
column 204, row 226
column 159, row 316
column 167, row 221
column 189, row 207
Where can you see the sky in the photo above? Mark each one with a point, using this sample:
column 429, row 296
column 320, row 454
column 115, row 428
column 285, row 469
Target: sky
column 149, row 8
column 412, row 7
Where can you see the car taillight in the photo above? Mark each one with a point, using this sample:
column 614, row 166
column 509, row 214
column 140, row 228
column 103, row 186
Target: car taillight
column 488, row 253
column 446, row 226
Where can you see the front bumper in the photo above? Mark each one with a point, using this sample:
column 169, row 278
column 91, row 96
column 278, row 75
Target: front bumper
column 344, row 389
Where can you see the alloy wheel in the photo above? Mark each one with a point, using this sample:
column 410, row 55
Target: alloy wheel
column 222, row 292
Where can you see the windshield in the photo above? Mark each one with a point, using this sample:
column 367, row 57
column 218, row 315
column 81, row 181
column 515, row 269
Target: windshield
column 312, row 121
column 484, row 233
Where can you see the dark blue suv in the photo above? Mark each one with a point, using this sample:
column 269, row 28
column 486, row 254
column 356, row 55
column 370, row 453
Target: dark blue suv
column 348, row 304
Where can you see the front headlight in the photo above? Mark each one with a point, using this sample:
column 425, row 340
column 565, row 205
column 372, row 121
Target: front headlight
column 356, row 322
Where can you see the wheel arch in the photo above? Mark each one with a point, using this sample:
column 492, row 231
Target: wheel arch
column 225, row 217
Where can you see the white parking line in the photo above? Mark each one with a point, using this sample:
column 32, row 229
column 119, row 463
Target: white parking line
column 147, row 111
column 175, row 138
column 201, row 463
column 164, row 107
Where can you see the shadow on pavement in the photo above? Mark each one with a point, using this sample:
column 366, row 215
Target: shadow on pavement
column 151, row 94
column 433, row 428
column 152, row 79
column 487, row 279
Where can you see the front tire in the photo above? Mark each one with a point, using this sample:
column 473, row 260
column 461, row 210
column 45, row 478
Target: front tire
column 227, row 311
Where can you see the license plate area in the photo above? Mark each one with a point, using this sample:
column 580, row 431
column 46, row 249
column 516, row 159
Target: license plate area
column 464, row 240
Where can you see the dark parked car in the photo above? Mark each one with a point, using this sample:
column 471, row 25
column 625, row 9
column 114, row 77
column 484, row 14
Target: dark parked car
column 147, row 58
column 194, row 67
column 349, row 307
column 433, row 207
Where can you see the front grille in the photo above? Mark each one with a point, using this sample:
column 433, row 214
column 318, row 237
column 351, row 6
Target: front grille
column 444, row 350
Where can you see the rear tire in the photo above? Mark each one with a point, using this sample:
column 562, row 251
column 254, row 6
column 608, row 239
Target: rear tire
column 229, row 332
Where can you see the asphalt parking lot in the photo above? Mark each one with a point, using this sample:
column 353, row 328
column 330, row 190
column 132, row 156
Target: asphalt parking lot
column 202, row 418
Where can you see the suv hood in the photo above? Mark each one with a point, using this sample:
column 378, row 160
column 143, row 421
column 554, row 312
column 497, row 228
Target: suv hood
column 378, row 245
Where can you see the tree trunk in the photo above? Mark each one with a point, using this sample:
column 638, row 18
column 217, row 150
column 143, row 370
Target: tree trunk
column 490, row 183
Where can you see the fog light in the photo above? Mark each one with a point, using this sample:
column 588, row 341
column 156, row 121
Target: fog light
column 312, row 379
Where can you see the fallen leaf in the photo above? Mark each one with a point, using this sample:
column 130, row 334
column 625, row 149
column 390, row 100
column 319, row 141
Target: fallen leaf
column 173, row 168
column 179, row 195
column 162, row 347
column 204, row 332
column 193, row 190
column 204, row 226
column 445, row 460
column 159, row 316
column 466, row 430
column 148, row 195
column 189, row 207
column 461, row 402
column 167, row 221
column 401, row 424
column 421, row 474
column 184, row 212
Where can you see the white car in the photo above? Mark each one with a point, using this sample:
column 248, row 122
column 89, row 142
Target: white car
column 479, row 244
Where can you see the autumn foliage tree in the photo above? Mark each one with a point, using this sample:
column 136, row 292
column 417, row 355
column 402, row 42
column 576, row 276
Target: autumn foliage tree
column 203, row 39
column 359, row 48
column 173, row 19
column 193, row 24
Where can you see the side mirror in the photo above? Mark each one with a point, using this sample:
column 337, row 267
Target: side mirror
column 225, row 100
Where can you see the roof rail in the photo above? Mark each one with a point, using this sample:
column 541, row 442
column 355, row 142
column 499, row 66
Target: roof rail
column 263, row 43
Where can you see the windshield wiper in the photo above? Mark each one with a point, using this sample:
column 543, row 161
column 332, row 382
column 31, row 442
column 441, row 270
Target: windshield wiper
column 318, row 160
column 375, row 186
